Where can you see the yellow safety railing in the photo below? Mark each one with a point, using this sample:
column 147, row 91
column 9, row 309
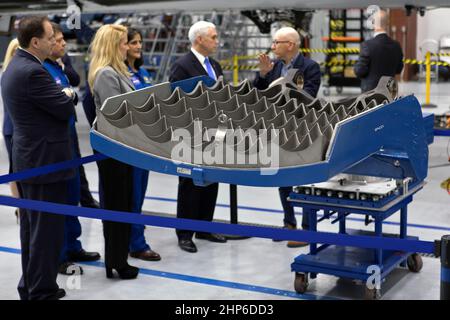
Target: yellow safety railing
column 235, row 65
column 428, row 78
column 303, row 50
column 428, row 63
column 235, row 70
column 332, row 51
column 441, row 54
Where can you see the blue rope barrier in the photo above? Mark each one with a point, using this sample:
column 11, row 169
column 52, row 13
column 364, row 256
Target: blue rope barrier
column 18, row 176
column 196, row 225
column 369, row 242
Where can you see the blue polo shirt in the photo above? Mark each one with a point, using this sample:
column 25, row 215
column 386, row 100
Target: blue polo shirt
column 57, row 73
column 140, row 79
column 74, row 191
column 60, row 78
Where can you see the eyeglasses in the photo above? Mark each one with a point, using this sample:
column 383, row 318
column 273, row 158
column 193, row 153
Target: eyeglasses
column 276, row 42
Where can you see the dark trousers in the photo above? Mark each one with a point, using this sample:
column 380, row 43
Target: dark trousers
column 41, row 239
column 137, row 237
column 8, row 144
column 86, row 198
column 289, row 214
column 72, row 225
column 195, row 202
column 73, row 232
column 116, row 187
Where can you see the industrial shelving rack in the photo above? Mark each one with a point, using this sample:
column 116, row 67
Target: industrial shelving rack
column 346, row 30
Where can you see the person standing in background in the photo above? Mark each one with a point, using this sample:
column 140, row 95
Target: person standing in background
column 86, row 198
column 7, row 129
column 380, row 56
column 72, row 250
column 140, row 78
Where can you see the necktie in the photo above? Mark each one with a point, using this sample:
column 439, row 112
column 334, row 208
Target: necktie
column 209, row 69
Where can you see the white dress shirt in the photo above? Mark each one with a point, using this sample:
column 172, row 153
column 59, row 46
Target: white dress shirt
column 201, row 58
column 378, row 33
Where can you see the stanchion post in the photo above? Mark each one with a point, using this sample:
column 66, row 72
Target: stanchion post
column 235, row 69
column 428, row 104
column 234, row 213
column 445, row 268
column 428, row 77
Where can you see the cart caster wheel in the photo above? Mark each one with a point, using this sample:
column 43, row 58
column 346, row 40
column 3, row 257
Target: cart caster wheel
column 326, row 92
column 414, row 262
column 301, row 282
column 372, row 294
column 339, row 90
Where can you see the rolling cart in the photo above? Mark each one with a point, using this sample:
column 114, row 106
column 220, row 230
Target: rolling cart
column 376, row 200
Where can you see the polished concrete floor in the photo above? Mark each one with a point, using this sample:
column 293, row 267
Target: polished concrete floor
column 242, row 269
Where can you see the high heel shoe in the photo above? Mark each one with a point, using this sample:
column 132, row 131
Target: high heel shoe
column 17, row 213
column 128, row 272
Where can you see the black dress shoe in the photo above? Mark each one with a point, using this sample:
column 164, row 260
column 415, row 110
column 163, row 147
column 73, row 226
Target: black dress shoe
column 126, row 273
column 61, row 293
column 213, row 237
column 187, row 245
column 69, row 268
column 83, row 256
column 17, row 213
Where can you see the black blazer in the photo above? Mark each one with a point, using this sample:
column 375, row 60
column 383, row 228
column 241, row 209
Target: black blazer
column 380, row 56
column 40, row 113
column 188, row 66
column 309, row 68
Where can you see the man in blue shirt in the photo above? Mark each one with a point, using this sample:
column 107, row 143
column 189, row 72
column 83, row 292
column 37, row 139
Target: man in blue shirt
column 285, row 46
column 72, row 250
